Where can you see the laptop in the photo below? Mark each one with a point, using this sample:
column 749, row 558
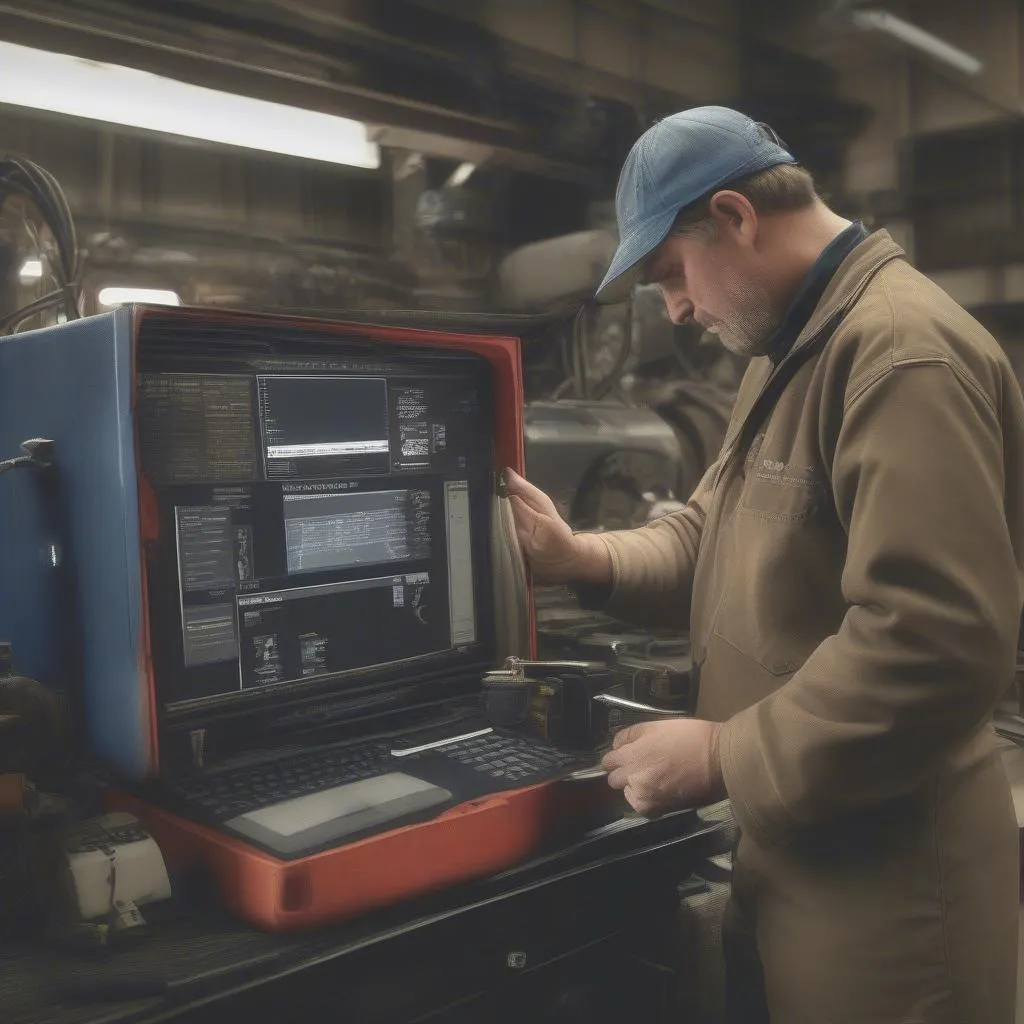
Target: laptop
column 294, row 568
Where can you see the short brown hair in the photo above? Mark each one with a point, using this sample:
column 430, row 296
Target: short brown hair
column 778, row 189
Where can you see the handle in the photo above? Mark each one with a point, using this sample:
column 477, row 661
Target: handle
column 635, row 706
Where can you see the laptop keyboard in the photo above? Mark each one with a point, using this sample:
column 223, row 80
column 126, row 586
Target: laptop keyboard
column 508, row 758
column 226, row 794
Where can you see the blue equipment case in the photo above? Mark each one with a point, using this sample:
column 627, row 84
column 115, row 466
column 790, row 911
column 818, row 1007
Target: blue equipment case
column 73, row 384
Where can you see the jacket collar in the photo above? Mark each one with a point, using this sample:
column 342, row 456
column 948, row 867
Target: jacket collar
column 813, row 287
column 853, row 275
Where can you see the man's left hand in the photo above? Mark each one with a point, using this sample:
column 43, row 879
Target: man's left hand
column 666, row 766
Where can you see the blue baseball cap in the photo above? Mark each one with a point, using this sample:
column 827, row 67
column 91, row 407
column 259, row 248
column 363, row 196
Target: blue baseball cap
column 673, row 164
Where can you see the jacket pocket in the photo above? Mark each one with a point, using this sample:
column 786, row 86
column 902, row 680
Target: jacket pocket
column 782, row 596
column 782, row 496
column 780, row 486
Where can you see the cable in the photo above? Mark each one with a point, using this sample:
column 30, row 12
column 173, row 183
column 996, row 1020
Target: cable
column 575, row 363
column 579, row 366
column 53, row 300
column 38, row 455
column 20, row 176
column 612, row 380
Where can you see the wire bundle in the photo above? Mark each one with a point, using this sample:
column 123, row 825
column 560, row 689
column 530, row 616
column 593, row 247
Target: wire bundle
column 21, row 177
column 575, row 362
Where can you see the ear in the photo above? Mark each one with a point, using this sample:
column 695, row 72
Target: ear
column 734, row 215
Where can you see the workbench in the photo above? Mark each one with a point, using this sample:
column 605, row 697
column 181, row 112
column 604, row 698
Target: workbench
column 587, row 932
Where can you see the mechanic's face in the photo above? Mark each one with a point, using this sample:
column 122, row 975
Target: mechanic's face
column 719, row 281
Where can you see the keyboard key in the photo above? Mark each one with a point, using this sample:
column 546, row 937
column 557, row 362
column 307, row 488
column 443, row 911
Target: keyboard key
column 507, row 759
column 243, row 790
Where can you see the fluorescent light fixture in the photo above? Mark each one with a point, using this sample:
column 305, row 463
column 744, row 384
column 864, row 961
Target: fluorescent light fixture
column 151, row 296
column 63, row 84
column 461, row 175
column 882, row 21
column 31, row 270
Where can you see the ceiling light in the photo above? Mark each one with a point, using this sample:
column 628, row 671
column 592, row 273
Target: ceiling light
column 151, row 296
column 63, row 84
column 461, row 175
column 882, row 21
column 31, row 270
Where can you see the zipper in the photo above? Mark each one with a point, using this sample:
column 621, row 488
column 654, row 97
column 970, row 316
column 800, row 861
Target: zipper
column 733, row 442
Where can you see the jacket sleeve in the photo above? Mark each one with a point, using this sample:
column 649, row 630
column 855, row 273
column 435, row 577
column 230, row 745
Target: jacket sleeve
column 932, row 587
column 652, row 565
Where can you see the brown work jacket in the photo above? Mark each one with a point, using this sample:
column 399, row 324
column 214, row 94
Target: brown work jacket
column 851, row 569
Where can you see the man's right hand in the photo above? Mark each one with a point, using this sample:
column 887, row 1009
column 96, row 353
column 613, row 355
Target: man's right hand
column 555, row 553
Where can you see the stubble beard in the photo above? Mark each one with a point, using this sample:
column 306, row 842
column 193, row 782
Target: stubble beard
column 753, row 318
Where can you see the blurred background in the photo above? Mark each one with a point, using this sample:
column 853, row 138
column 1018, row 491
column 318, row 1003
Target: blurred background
column 457, row 159
column 454, row 162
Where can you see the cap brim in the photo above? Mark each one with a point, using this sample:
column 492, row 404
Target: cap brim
column 618, row 289
column 627, row 263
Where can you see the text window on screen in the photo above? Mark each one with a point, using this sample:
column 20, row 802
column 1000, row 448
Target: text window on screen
column 337, row 531
column 324, row 426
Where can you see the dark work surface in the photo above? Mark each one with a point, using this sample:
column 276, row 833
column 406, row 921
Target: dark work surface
column 198, row 965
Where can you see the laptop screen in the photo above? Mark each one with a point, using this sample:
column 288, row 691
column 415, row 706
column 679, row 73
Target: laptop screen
column 322, row 518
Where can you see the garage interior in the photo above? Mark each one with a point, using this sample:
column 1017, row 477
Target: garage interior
column 491, row 135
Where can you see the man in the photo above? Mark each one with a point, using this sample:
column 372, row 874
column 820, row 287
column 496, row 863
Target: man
column 850, row 566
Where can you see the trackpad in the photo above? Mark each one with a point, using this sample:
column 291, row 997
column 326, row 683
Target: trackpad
column 308, row 821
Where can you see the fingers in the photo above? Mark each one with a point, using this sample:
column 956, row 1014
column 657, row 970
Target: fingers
column 620, row 765
column 628, row 735
column 640, row 802
column 525, row 516
column 533, row 497
column 619, row 755
column 636, row 796
column 524, row 508
column 612, row 759
column 527, row 522
column 639, row 797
